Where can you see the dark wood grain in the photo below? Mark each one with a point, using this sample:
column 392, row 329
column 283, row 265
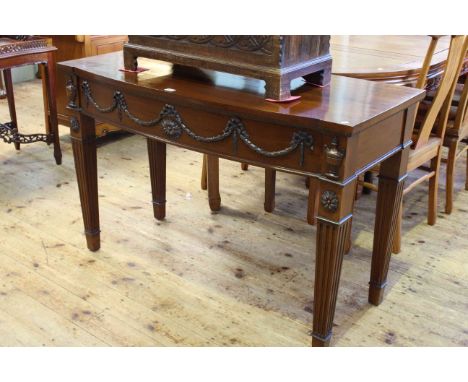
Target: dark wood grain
column 217, row 115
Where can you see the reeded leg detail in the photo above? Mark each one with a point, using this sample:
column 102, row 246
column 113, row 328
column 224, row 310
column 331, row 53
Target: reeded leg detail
column 157, row 164
column 331, row 242
column 84, row 152
column 386, row 220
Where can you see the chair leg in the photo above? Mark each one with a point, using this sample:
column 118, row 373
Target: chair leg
column 312, row 203
column 11, row 100
column 452, row 153
column 369, row 178
column 204, row 184
column 359, row 187
column 270, row 183
column 466, row 179
column 396, row 248
column 433, row 190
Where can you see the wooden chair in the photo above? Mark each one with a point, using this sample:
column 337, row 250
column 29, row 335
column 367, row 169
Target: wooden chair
column 456, row 135
column 428, row 136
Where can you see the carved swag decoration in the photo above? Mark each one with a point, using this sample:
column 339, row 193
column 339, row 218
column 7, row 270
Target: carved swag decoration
column 173, row 126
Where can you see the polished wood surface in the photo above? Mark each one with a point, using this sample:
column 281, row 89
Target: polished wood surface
column 392, row 59
column 368, row 121
column 239, row 277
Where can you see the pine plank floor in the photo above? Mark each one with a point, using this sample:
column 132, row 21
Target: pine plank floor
column 240, row 277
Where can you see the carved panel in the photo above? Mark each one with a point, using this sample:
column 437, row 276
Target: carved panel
column 259, row 44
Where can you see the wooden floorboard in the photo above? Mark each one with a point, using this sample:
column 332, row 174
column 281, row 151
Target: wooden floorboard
column 240, row 277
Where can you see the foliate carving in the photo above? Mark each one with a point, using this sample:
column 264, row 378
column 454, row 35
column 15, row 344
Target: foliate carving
column 71, row 93
column 329, row 201
column 74, row 124
column 9, row 134
column 173, row 126
column 263, row 44
column 333, row 159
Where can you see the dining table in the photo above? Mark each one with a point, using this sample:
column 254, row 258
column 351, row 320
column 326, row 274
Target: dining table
column 392, row 59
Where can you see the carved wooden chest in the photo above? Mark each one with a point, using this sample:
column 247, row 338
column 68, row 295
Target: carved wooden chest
column 275, row 59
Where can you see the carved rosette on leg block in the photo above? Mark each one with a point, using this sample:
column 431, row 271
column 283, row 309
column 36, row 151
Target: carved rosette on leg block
column 386, row 220
column 331, row 243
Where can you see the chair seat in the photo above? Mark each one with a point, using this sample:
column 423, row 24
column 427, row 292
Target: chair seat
column 418, row 157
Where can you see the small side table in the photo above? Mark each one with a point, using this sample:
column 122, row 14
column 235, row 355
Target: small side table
column 26, row 50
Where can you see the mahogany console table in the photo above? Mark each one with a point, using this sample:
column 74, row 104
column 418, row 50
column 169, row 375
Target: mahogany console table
column 333, row 134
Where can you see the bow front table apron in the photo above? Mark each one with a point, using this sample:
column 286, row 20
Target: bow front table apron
column 333, row 134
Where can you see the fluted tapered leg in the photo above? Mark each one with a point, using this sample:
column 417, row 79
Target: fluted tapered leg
column 270, row 183
column 214, row 198
column 391, row 182
column 331, row 244
column 334, row 215
column 84, row 153
column 157, row 165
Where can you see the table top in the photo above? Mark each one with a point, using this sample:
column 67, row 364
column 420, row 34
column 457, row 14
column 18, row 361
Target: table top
column 396, row 59
column 346, row 106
